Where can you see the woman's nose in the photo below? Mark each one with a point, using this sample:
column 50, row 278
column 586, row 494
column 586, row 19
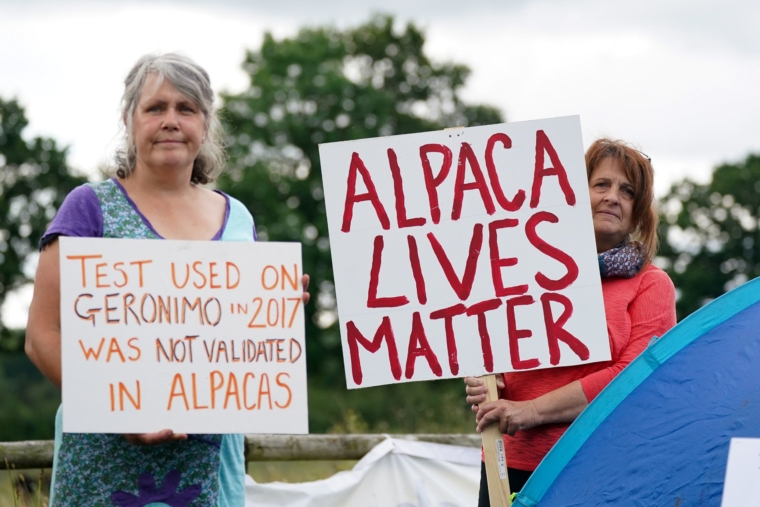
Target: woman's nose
column 612, row 196
column 170, row 119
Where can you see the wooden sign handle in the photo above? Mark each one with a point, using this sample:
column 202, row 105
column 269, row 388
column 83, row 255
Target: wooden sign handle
column 496, row 456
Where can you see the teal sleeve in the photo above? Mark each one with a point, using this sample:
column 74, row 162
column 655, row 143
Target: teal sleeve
column 239, row 224
column 231, row 457
column 232, row 471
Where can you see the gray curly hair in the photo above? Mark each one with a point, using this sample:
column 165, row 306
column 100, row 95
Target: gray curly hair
column 192, row 81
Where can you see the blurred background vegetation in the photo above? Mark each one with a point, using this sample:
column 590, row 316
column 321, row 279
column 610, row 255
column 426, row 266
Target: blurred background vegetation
column 327, row 85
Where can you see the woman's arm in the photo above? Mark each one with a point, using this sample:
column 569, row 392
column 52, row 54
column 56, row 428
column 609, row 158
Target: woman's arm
column 43, row 329
column 652, row 312
column 558, row 406
column 79, row 215
column 43, row 332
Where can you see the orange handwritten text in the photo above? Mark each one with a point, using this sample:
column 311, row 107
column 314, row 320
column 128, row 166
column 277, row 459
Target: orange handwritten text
column 105, row 275
column 226, row 391
column 123, row 391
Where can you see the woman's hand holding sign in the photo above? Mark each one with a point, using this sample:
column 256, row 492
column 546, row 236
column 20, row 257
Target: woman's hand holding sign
column 476, row 390
column 561, row 405
column 305, row 284
column 160, row 437
column 510, row 416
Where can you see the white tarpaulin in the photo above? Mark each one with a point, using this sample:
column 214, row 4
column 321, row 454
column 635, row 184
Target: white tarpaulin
column 395, row 473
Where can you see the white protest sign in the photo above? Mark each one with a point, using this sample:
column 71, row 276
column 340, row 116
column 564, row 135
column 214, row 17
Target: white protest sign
column 742, row 485
column 464, row 252
column 192, row 336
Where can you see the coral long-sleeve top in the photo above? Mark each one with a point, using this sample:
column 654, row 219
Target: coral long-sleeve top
column 637, row 309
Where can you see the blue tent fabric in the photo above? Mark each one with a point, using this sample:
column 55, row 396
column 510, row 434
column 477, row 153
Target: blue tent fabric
column 659, row 433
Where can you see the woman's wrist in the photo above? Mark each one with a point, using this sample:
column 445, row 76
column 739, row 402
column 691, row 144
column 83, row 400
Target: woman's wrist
column 561, row 405
column 538, row 416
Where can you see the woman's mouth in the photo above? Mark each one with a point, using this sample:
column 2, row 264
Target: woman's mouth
column 607, row 212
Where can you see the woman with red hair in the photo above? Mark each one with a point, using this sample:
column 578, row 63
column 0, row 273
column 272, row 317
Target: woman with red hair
column 536, row 407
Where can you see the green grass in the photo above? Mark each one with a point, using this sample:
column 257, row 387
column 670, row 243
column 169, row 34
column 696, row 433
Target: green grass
column 296, row 471
column 24, row 488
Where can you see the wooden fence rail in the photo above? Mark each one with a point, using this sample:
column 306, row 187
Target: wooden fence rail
column 39, row 453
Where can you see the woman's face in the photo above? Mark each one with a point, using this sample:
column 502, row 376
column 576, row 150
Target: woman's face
column 612, row 198
column 168, row 128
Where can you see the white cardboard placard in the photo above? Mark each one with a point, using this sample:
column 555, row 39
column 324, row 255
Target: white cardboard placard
column 192, row 336
column 742, row 485
column 404, row 210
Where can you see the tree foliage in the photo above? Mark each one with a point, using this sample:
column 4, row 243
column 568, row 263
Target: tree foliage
column 34, row 179
column 327, row 85
column 28, row 401
column 712, row 233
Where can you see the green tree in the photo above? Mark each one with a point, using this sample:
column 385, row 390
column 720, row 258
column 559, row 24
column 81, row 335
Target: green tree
column 28, row 401
column 327, row 85
column 34, row 179
column 711, row 235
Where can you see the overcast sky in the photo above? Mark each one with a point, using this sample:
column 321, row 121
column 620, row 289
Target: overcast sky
column 677, row 78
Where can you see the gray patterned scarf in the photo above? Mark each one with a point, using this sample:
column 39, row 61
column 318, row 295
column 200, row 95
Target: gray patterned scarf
column 623, row 260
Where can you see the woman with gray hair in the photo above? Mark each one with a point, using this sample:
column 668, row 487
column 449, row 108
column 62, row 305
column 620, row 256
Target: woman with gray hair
column 173, row 145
